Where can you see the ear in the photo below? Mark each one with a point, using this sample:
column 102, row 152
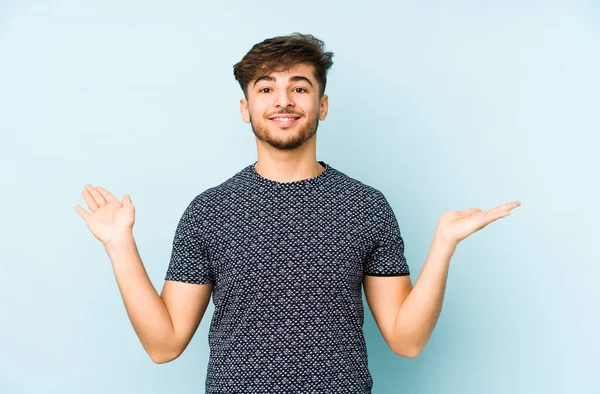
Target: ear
column 244, row 110
column 324, row 107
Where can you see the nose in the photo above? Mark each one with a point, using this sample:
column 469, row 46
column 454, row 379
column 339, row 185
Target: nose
column 283, row 99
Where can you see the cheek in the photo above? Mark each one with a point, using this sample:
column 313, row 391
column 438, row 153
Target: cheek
column 315, row 106
column 258, row 110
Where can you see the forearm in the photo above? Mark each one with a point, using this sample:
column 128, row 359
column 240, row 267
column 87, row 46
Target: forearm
column 420, row 310
column 146, row 309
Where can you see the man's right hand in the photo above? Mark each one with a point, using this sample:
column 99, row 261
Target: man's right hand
column 110, row 219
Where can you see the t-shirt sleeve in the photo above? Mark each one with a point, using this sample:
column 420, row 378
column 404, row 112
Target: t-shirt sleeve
column 387, row 256
column 189, row 259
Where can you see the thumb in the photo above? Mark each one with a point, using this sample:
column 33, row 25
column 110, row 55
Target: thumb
column 127, row 199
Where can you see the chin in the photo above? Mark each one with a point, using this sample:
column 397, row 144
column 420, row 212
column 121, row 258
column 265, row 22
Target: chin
column 283, row 138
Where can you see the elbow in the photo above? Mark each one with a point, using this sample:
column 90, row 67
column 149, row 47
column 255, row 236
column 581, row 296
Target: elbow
column 408, row 345
column 163, row 356
column 407, row 351
column 160, row 360
column 412, row 353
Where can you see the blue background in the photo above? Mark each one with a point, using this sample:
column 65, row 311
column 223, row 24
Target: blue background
column 441, row 105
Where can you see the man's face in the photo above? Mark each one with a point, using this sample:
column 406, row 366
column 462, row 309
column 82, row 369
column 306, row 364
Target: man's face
column 284, row 108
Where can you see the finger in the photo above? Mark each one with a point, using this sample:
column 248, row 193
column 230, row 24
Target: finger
column 508, row 206
column 127, row 199
column 492, row 216
column 98, row 198
column 82, row 212
column 91, row 203
column 502, row 209
column 106, row 194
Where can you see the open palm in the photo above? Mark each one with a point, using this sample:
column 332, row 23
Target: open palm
column 110, row 218
column 457, row 225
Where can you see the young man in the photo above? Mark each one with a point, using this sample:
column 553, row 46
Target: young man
column 284, row 247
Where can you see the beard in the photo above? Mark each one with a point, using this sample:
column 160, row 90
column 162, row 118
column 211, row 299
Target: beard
column 287, row 139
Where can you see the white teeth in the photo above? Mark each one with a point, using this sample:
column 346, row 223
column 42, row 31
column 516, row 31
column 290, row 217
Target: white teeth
column 284, row 119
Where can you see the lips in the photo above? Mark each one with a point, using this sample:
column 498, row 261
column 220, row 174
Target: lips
column 284, row 120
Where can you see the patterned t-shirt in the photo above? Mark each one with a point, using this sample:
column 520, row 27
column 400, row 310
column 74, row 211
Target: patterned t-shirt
column 287, row 260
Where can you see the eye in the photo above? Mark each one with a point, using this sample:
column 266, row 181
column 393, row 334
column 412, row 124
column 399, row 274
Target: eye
column 304, row 90
column 260, row 91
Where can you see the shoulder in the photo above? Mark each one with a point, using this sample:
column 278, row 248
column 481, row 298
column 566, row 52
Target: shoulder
column 220, row 196
column 358, row 189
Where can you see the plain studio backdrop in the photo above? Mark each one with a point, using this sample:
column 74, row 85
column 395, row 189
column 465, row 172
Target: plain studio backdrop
column 441, row 105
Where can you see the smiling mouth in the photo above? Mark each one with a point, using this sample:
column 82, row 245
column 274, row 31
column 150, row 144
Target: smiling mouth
column 284, row 121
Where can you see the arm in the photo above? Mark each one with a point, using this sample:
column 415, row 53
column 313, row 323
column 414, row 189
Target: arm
column 406, row 315
column 164, row 324
column 420, row 310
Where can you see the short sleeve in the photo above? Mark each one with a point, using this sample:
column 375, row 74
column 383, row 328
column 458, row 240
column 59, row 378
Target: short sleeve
column 387, row 256
column 189, row 259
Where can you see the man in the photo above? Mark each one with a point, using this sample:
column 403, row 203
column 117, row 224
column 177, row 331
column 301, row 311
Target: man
column 283, row 247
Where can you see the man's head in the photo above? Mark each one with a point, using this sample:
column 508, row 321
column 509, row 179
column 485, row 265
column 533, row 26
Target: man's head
column 284, row 76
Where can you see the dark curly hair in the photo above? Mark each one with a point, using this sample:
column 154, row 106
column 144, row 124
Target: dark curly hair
column 282, row 53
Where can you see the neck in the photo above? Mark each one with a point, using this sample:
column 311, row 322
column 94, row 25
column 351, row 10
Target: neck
column 288, row 169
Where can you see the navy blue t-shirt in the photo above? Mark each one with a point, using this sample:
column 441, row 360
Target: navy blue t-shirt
column 287, row 260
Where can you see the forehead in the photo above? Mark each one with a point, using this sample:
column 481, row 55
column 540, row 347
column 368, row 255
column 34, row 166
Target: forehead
column 301, row 69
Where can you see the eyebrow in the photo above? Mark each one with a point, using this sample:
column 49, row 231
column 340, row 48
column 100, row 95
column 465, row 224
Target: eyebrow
column 295, row 78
